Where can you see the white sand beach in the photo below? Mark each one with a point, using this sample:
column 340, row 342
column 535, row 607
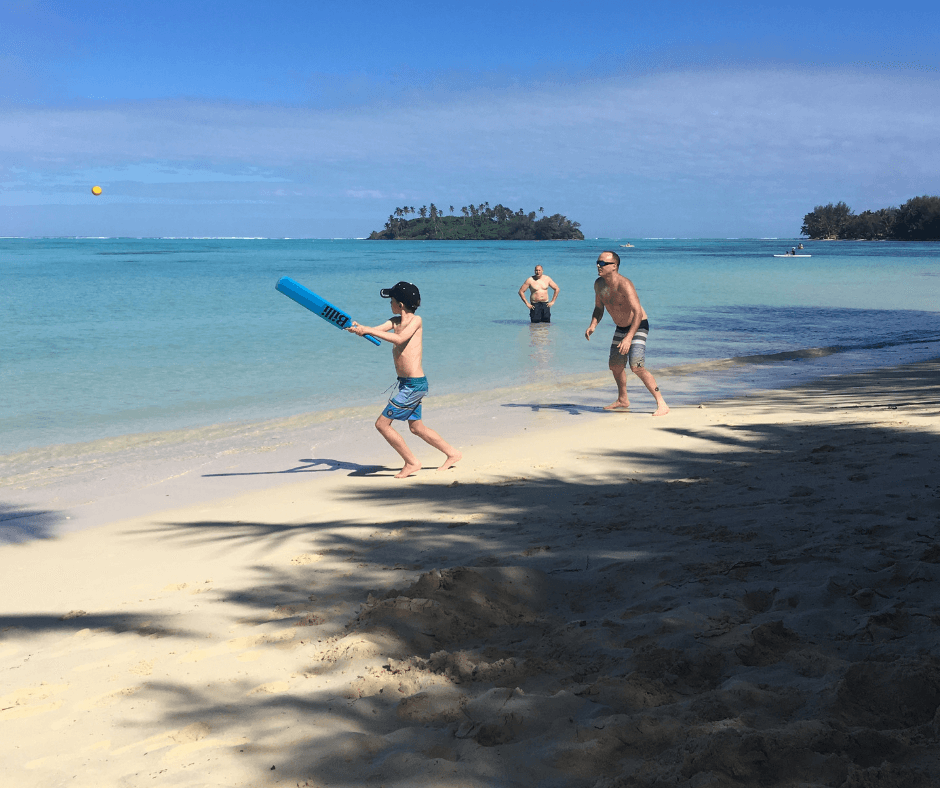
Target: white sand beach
column 740, row 594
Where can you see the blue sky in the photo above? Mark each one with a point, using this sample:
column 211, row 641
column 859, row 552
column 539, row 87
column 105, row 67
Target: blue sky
column 317, row 120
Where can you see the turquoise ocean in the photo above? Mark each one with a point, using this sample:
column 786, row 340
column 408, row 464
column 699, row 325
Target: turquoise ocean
column 101, row 338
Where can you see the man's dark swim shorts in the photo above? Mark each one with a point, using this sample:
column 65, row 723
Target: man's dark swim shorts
column 540, row 312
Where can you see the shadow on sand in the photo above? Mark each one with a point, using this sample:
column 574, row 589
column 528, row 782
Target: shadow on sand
column 763, row 610
column 760, row 609
column 19, row 525
column 567, row 407
column 314, row 466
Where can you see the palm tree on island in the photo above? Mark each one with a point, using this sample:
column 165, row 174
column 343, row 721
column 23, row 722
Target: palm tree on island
column 479, row 222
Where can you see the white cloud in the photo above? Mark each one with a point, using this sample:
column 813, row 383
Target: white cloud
column 716, row 123
column 371, row 194
column 763, row 140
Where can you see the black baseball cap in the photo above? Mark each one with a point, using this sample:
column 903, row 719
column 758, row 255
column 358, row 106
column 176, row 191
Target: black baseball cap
column 405, row 293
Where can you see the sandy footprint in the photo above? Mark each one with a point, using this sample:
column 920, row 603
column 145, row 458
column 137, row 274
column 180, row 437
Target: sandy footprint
column 30, row 701
column 60, row 759
column 21, row 712
column 200, row 654
column 182, row 742
column 143, row 668
column 108, row 699
column 280, row 638
column 306, row 558
column 185, row 750
column 290, row 610
column 188, row 735
column 270, row 688
column 83, row 640
column 253, row 641
column 104, row 663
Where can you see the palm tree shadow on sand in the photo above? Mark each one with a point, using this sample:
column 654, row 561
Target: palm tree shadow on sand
column 757, row 607
column 19, row 525
column 568, row 407
column 313, row 466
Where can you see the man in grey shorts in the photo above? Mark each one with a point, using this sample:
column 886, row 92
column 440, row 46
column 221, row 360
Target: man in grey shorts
column 617, row 294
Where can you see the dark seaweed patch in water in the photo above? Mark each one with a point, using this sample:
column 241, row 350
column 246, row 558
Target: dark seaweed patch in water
column 761, row 332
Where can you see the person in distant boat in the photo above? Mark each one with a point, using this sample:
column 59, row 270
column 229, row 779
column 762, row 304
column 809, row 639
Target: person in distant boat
column 793, row 250
column 800, row 246
column 538, row 285
column 618, row 296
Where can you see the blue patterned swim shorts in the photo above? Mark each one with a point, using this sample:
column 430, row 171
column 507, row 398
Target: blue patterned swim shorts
column 405, row 404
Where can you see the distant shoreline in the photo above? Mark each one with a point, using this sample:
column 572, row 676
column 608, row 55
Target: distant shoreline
column 879, row 240
column 916, row 220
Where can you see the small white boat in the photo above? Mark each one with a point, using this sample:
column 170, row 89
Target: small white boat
column 626, row 245
column 792, row 255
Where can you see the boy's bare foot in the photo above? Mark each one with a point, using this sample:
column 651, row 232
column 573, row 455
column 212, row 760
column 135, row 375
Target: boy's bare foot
column 662, row 410
column 618, row 405
column 452, row 460
column 407, row 471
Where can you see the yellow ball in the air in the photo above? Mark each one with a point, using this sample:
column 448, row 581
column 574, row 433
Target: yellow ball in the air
column 96, row 190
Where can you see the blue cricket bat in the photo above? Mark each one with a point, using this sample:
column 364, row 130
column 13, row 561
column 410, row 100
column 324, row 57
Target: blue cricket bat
column 319, row 306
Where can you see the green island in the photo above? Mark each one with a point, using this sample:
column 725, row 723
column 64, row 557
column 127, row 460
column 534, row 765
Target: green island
column 916, row 220
column 477, row 223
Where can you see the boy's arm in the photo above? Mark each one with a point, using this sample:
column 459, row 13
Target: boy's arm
column 383, row 332
column 361, row 330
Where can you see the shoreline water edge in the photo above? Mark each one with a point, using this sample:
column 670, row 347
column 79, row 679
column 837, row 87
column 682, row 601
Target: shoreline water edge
column 104, row 338
column 67, row 487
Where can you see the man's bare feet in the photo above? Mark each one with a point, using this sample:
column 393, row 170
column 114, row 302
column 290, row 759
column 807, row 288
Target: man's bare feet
column 451, row 461
column 662, row 410
column 407, row 471
column 618, row 405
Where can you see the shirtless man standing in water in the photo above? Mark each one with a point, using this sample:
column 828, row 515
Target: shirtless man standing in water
column 540, row 310
column 618, row 295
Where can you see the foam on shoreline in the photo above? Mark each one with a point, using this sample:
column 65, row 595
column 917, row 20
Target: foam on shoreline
column 83, row 485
